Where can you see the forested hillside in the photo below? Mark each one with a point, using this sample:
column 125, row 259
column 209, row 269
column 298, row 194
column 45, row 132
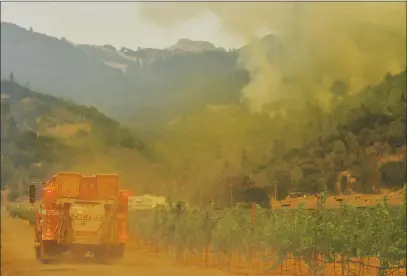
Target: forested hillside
column 41, row 134
column 140, row 84
column 368, row 144
column 193, row 134
column 362, row 137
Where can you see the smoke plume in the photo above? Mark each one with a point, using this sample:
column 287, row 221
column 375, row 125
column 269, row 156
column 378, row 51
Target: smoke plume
column 316, row 44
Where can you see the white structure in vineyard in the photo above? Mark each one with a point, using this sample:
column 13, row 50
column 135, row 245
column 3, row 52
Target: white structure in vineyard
column 145, row 202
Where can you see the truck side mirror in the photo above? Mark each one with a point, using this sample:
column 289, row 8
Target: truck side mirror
column 31, row 194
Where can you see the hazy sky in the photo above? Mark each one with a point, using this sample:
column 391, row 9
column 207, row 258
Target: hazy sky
column 118, row 24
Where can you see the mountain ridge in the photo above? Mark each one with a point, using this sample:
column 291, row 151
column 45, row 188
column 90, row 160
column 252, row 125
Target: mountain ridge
column 189, row 45
column 118, row 81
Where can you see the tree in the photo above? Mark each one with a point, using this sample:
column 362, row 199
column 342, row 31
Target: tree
column 339, row 155
column 257, row 195
column 296, row 176
column 393, row 174
column 245, row 162
column 369, row 172
column 27, row 84
column 13, row 195
column 314, row 183
column 127, row 141
column 396, row 134
column 282, row 178
column 7, row 171
column 338, row 88
column 365, row 137
column 279, row 149
column 9, row 128
column 353, row 148
column 11, row 77
column 352, row 143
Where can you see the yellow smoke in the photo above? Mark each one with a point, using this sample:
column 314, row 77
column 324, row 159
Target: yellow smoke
column 357, row 43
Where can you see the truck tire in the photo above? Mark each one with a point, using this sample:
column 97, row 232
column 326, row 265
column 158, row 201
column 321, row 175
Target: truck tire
column 43, row 252
column 37, row 253
column 118, row 251
column 101, row 255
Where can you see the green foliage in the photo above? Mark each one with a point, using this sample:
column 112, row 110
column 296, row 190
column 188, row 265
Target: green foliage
column 313, row 183
column 374, row 232
column 13, row 195
column 7, row 170
column 24, row 212
column 396, row 135
column 303, row 148
column 339, row 88
column 393, row 174
column 365, row 133
column 30, row 149
column 257, row 195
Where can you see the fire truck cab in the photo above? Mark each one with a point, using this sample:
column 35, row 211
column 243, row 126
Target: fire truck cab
column 81, row 214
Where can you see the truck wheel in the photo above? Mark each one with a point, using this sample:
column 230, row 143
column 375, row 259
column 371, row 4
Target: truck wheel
column 37, row 253
column 43, row 252
column 118, row 251
column 101, row 255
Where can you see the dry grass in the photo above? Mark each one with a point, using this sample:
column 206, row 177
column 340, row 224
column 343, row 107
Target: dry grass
column 68, row 130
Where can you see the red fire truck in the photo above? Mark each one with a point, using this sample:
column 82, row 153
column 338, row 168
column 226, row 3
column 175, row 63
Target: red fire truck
column 81, row 214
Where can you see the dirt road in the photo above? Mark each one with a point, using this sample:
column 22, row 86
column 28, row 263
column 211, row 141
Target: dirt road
column 18, row 259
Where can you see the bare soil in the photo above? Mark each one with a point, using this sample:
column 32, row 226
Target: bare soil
column 18, row 259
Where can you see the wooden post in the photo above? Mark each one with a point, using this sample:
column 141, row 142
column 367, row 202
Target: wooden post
column 206, row 255
column 253, row 215
column 231, row 195
column 208, row 241
column 253, row 252
column 275, row 190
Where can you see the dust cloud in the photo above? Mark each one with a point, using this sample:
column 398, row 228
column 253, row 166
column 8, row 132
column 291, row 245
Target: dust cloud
column 315, row 44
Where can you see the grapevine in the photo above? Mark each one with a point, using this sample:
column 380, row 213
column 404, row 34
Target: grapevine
column 347, row 233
